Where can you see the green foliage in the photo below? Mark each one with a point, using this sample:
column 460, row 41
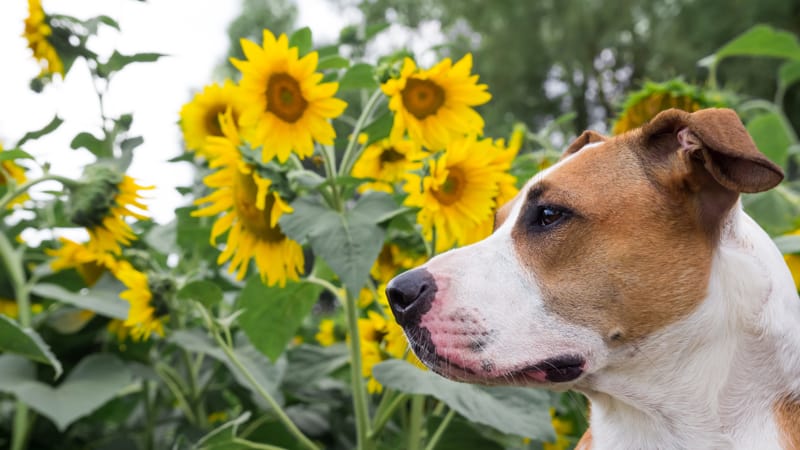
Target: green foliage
column 513, row 410
column 26, row 342
column 271, row 315
column 249, row 364
column 96, row 379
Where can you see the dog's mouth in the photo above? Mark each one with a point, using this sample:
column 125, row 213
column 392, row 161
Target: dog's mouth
column 559, row 369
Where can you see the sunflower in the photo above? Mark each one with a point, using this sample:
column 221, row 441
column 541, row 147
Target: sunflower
column 102, row 203
column 38, row 32
column 435, row 105
column 391, row 260
column 144, row 317
column 646, row 103
column 200, row 116
column 288, row 108
column 563, row 429
column 387, row 162
column 326, row 336
column 459, row 193
column 251, row 212
column 9, row 170
column 502, row 157
column 73, row 255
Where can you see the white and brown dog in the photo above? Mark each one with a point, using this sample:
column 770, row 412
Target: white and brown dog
column 628, row 271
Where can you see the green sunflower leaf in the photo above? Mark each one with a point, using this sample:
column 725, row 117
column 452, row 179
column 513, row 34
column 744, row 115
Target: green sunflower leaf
column 104, row 303
column 789, row 74
column 302, row 40
column 358, row 76
column 771, row 136
column 96, row 379
column 47, row 129
column 12, row 154
column 788, row 243
column 117, row 61
column 514, row 410
column 271, row 315
column 379, row 128
column 26, row 342
column 760, row 40
column 333, row 62
column 205, row 292
column 349, row 242
column 775, row 210
column 98, row 147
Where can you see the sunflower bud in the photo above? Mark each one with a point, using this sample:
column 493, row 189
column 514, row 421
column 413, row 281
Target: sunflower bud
column 163, row 289
column 91, row 200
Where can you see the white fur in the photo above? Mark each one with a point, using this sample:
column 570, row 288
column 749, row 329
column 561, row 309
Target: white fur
column 709, row 381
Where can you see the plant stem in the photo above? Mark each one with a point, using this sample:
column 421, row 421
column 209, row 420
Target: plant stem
column 149, row 435
column 325, row 284
column 10, row 196
column 415, row 425
column 13, row 264
column 279, row 412
column 349, row 158
column 329, row 155
column 356, row 377
column 386, row 414
column 20, row 437
column 440, row 430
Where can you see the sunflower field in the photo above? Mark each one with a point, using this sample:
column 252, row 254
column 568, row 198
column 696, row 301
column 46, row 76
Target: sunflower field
column 257, row 318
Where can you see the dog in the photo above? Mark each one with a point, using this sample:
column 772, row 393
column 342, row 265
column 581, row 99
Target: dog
column 628, row 271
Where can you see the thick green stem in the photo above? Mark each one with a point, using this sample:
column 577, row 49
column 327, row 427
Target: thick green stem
column 440, row 430
column 276, row 408
column 150, row 420
column 23, row 188
column 415, row 425
column 20, row 437
column 356, row 377
column 13, row 264
column 383, row 415
column 350, row 156
column 329, row 155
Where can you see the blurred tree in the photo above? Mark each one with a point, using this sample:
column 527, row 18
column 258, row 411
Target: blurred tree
column 277, row 15
column 545, row 58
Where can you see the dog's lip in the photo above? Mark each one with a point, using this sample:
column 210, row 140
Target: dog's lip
column 558, row 369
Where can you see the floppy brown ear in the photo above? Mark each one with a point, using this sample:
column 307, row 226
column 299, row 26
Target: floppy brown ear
column 587, row 137
column 717, row 139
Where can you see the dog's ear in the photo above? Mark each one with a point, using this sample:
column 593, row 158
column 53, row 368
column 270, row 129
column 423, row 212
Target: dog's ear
column 717, row 140
column 586, row 138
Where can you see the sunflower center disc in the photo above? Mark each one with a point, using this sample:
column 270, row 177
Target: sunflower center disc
column 255, row 220
column 213, row 127
column 452, row 188
column 422, row 97
column 390, row 155
column 284, row 98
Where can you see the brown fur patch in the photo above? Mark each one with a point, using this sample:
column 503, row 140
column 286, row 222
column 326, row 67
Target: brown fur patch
column 586, row 441
column 502, row 213
column 631, row 258
column 787, row 417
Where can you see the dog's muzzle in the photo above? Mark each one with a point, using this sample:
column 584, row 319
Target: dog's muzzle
column 410, row 295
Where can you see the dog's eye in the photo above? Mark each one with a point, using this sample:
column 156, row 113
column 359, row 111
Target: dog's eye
column 547, row 216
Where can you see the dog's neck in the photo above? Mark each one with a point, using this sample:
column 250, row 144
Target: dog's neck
column 712, row 380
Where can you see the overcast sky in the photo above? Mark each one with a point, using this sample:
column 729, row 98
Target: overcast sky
column 192, row 32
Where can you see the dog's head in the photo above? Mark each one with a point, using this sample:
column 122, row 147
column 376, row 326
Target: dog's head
column 608, row 246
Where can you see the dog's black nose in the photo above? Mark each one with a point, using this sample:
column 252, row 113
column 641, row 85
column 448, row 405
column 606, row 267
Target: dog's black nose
column 410, row 295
